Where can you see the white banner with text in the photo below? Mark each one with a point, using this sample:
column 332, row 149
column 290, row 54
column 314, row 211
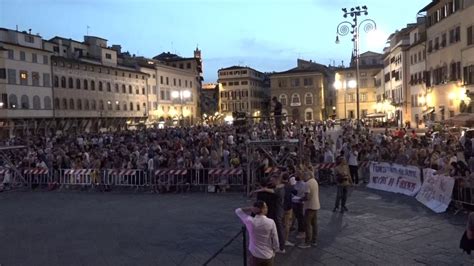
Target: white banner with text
column 395, row 178
column 436, row 191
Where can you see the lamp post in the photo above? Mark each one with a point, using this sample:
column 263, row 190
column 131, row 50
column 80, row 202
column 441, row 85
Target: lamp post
column 347, row 27
column 182, row 96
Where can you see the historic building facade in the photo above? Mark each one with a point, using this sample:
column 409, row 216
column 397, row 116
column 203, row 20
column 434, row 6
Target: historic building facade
column 241, row 89
column 303, row 91
column 345, row 85
column 449, row 58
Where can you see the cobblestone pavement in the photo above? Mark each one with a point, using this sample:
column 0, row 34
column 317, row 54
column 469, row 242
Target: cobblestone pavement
column 73, row 228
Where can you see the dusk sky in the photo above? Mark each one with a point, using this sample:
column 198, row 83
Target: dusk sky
column 268, row 35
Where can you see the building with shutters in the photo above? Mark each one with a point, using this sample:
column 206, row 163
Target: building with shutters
column 304, row 91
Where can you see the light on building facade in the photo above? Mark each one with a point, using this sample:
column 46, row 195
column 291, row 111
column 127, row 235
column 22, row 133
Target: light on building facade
column 175, row 94
column 186, row 94
column 352, row 84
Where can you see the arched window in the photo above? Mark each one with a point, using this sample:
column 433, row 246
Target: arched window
column 36, row 102
column 78, row 84
column 130, row 90
column 283, row 99
column 56, row 81
column 308, row 98
column 57, row 104
column 295, row 99
column 93, row 105
column 131, row 106
column 79, row 104
column 13, row 101
column 63, row 82
column 109, row 105
column 71, row 104
column 47, row 103
column 86, row 85
column 71, row 83
column 125, row 106
column 117, row 88
column 138, row 106
column 108, row 87
column 124, row 89
column 101, row 105
column 100, row 86
column 64, row 104
column 25, row 102
column 86, row 104
column 92, row 85
column 117, row 106
column 308, row 114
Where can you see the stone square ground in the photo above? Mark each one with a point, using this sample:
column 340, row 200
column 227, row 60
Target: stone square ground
column 87, row 228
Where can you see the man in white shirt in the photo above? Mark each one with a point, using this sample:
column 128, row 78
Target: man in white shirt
column 263, row 237
column 311, row 207
column 354, row 165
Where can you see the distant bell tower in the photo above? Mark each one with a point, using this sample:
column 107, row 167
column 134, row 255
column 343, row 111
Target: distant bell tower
column 197, row 53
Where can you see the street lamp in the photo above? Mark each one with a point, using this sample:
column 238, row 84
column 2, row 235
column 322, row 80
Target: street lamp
column 182, row 96
column 347, row 27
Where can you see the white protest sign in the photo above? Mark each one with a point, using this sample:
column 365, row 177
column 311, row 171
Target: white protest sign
column 436, row 191
column 395, row 178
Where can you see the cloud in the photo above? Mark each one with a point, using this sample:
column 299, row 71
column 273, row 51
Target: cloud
column 252, row 46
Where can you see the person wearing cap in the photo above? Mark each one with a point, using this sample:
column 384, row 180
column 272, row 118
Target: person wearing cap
column 263, row 237
column 343, row 181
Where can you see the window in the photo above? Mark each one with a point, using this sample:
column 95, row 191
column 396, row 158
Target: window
column 363, row 83
column 363, row 97
column 138, row 106
column 36, row 102
column 117, row 88
column 161, row 79
column 93, row 105
column 64, row 104
column 71, row 104
column 92, row 85
column 12, row 100
column 295, row 100
column 45, row 59
column 108, row 56
column 443, row 40
column 86, row 105
column 137, row 90
column 167, row 81
column 78, row 84
column 162, row 95
column 244, row 82
column 101, row 105
column 125, row 106
column 23, row 77
column 109, row 105
column 470, row 39
column 174, row 82
column 188, row 65
column 131, row 106
column 56, row 81
column 25, row 102
column 109, row 89
column 101, row 86
column 308, row 114
column 35, row 78
column 79, row 104
column 468, row 75
column 56, row 103
column 130, row 90
column 308, row 98
column 283, row 100
column 143, row 91
column 22, row 56
column 34, row 58
column 124, row 88
column 430, row 46
column 117, row 106
column 70, row 83
column 86, row 85
column 308, row 81
column 295, row 82
column 11, row 54
column 46, row 80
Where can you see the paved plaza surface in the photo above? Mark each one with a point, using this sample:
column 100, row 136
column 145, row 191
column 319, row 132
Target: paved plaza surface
column 85, row 228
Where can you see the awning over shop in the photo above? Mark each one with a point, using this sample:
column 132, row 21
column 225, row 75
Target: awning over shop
column 376, row 115
column 428, row 111
column 463, row 119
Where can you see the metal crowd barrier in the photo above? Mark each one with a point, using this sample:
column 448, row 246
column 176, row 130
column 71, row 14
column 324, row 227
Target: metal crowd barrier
column 463, row 193
column 37, row 176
